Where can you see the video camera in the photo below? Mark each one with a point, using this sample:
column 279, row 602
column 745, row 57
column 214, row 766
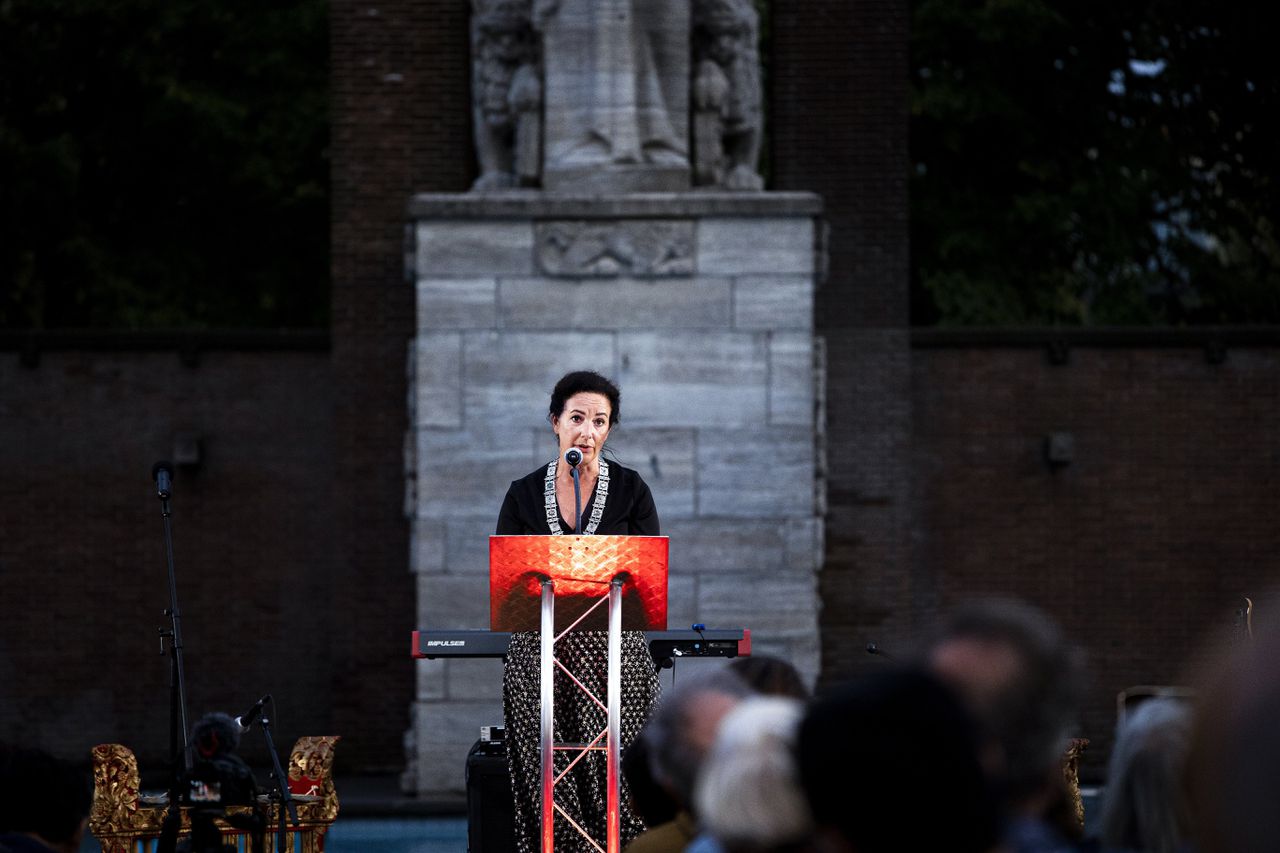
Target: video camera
column 218, row 778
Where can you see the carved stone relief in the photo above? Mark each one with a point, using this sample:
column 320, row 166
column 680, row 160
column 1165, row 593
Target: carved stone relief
column 636, row 247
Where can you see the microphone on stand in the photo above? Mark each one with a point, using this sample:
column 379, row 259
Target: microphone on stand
column 873, row 649
column 162, row 473
column 574, row 457
column 249, row 717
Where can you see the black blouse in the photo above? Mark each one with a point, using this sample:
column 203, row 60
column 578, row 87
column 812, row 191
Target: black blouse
column 629, row 510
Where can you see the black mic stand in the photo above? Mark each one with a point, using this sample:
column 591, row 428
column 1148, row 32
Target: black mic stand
column 282, row 796
column 577, row 503
column 577, row 489
column 179, row 755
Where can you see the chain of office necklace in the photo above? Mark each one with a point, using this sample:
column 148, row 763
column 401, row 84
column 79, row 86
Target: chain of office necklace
column 553, row 508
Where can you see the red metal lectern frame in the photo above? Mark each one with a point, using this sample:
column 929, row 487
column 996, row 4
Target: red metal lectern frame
column 587, row 571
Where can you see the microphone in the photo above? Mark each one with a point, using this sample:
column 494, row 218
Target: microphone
column 162, row 473
column 873, row 649
column 249, row 717
column 574, row 457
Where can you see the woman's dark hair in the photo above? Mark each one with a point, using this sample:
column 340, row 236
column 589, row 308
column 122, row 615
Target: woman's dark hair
column 585, row 382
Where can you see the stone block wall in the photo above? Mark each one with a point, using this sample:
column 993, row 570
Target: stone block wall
column 700, row 306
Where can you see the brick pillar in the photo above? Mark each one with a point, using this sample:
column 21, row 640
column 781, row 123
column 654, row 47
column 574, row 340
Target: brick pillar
column 838, row 123
column 400, row 124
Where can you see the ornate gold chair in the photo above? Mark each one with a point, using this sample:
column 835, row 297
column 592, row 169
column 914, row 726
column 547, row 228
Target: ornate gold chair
column 1071, row 776
column 123, row 821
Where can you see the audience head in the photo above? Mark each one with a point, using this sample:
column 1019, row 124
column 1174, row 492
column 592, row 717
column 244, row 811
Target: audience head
column 43, row 797
column 648, row 799
column 685, row 725
column 770, row 676
column 890, row 763
column 1145, row 805
column 1019, row 676
column 1235, row 747
column 748, row 793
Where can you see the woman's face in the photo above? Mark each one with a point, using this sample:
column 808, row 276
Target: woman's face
column 583, row 424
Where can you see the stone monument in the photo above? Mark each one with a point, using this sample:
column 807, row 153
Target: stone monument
column 618, row 224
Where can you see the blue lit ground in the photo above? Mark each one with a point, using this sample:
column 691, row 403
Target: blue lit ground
column 380, row 835
column 397, row 835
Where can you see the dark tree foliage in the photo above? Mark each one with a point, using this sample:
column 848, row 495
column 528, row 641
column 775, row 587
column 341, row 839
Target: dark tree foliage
column 1095, row 162
column 162, row 163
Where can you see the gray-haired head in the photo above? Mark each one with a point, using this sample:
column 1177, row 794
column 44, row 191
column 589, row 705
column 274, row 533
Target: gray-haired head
column 748, row 794
column 682, row 730
column 1145, row 805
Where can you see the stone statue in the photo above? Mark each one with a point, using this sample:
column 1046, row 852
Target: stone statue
column 594, row 95
column 617, row 93
column 728, row 119
column 506, row 94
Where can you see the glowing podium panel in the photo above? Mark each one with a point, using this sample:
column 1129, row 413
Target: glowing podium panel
column 557, row 584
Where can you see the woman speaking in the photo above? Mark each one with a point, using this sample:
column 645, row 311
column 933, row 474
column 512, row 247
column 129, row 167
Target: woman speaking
column 584, row 407
column 614, row 501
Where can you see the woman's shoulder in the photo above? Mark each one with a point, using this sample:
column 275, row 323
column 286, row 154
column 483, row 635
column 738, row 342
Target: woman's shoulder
column 624, row 476
column 536, row 476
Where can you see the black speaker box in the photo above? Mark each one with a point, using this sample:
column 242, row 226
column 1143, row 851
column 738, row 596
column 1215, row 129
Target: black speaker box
column 490, row 808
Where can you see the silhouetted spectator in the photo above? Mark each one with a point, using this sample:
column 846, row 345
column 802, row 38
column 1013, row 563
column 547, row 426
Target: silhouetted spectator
column 889, row 763
column 1022, row 680
column 1145, row 805
column 44, row 802
column 648, row 799
column 770, row 676
column 1235, row 747
column 749, row 797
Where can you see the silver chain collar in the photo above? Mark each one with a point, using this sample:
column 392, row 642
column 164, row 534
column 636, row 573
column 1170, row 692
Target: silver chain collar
column 553, row 508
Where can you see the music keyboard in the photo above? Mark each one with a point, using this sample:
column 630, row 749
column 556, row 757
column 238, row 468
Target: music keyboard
column 663, row 645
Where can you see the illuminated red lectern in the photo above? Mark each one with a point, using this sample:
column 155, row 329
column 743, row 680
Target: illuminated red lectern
column 528, row 577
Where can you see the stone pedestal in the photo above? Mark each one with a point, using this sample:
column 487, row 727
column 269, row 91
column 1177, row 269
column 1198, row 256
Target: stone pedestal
column 700, row 306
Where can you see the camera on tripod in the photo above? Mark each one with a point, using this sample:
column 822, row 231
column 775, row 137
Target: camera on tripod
column 219, row 778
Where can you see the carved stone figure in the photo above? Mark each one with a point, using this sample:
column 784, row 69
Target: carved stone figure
column 728, row 119
column 617, row 93
column 506, row 94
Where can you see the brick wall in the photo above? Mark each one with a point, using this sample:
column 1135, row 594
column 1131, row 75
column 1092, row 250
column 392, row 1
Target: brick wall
column 838, row 126
column 1143, row 545
column 400, row 99
column 83, row 577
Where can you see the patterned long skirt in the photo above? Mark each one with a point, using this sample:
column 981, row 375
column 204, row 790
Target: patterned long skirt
column 582, row 794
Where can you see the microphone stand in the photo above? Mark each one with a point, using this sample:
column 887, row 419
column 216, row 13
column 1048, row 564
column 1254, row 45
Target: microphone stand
column 179, row 755
column 282, row 794
column 577, row 503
